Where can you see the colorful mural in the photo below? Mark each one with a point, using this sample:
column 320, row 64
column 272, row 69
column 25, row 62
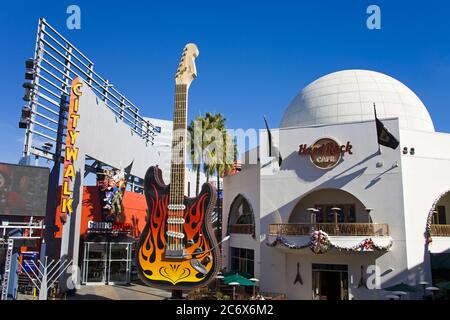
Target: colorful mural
column 112, row 185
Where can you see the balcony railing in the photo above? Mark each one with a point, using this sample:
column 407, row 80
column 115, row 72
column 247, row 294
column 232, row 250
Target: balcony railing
column 440, row 230
column 242, row 228
column 332, row 229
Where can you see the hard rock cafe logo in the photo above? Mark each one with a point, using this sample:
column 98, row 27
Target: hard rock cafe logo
column 325, row 153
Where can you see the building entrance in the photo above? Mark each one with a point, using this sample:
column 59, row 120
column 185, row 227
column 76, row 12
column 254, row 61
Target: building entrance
column 107, row 263
column 330, row 282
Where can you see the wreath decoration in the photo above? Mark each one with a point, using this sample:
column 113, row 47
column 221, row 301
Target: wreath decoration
column 320, row 242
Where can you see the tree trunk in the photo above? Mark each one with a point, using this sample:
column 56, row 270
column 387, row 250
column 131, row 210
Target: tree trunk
column 219, row 212
column 197, row 185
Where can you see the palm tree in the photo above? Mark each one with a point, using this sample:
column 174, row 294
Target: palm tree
column 202, row 157
column 197, row 155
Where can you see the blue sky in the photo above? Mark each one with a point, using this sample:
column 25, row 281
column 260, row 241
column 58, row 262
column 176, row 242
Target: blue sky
column 255, row 56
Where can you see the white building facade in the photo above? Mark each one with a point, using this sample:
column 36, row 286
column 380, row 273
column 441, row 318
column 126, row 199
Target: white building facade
column 345, row 220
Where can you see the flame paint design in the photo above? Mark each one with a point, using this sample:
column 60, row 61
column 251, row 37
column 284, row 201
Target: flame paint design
column 153, row 268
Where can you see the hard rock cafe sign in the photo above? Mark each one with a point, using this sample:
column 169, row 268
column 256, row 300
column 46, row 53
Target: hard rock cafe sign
column 325, row 153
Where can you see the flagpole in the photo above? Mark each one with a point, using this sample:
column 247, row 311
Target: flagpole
column 269, row 136
column 375, row 112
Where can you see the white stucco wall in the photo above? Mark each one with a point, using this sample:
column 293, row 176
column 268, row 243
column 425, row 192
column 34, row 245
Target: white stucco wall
column 399, row 188
column 426, row 175
column 246, row 184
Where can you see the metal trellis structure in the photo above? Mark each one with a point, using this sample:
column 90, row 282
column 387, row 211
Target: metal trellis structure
column 55, row 64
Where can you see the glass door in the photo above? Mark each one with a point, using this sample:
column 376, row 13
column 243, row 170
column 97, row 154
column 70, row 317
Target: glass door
column 95, row 263
column 119, row 263
column 330, row 282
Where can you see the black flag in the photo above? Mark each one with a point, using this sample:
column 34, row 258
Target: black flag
column 269, row 134
column 385, row 138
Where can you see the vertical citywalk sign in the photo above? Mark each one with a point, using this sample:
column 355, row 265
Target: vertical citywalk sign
column 71, row 152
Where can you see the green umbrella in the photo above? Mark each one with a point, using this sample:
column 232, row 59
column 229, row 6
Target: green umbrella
column 444, row 285
column 402, row 287
column 239, row 279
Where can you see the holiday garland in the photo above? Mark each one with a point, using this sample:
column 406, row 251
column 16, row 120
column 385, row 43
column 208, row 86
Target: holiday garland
column 320, row 243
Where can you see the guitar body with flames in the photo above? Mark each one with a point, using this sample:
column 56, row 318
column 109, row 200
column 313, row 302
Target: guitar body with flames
column 177, row 249
column 174, row 274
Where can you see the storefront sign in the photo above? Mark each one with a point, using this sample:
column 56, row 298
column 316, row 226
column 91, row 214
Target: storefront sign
column 95, row 225
column 100, row 226
column 71, row 152
column 325, row 153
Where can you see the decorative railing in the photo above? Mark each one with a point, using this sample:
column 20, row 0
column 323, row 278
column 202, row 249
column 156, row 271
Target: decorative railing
column 440, row 230
column 242, row 228
column 332, row 229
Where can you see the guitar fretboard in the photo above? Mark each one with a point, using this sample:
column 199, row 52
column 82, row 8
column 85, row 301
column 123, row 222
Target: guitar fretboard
column 178, row 165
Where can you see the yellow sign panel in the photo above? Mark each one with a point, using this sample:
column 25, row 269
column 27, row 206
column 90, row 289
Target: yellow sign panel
column 71, row 153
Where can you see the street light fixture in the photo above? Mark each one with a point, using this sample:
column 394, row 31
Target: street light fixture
column 423, row 284
column 433, row 291
column 336, row 212
column 313, row 212
column 219, row 277
column 400, row 294
column 254, row 287
column 234, row 284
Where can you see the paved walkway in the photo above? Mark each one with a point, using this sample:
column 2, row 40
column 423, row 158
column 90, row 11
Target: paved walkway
column 132, row 291
column 120, row 292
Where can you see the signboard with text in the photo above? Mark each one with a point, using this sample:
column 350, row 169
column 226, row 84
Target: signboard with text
column 325, row 153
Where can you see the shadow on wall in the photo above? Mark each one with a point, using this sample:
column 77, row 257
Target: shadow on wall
column 298, row 164
column 311, row 173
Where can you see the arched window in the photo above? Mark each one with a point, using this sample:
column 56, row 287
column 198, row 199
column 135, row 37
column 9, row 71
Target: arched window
column 438, row 222
column 241, row 217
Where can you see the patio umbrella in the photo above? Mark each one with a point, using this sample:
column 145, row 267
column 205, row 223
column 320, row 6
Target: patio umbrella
column 239, row 279
column 444, row 285
column 402, row 287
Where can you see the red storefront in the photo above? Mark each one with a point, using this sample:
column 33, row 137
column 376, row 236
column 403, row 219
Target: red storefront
column 107, row 247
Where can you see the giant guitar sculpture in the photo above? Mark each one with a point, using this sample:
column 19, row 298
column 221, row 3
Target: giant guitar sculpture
column 176, row 249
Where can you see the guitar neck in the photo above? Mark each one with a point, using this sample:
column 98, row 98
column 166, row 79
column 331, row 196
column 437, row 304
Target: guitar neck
column 179, row 134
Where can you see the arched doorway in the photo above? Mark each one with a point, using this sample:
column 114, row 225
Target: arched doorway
column 438, row 227
column 333, row 211
column 333, row 206
column 438, row 222
column 241, row 217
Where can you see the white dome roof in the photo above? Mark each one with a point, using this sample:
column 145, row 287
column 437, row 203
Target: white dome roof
column 349, row 96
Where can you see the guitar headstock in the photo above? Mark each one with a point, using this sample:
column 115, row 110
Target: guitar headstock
column 187, row 71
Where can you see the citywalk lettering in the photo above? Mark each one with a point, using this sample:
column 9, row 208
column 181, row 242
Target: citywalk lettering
column 71, row 152
column 325, row 153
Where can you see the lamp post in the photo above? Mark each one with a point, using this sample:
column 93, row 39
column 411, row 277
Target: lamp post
column 254, row 287
column 234, row 284
column 423, row 284
column 336, row 211
column 433, row 291
column 312, row 212
column 369, row 210
column 400, row 294
column 219, row 277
